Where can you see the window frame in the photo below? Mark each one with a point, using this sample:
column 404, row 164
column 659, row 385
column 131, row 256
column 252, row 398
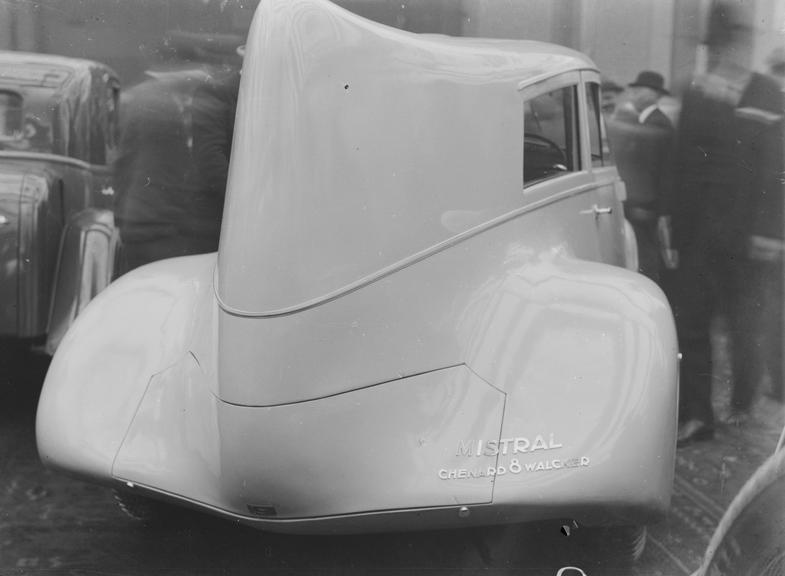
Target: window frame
column 591, row 92
column 16, row 97
column 589, row 77
column 572, row 79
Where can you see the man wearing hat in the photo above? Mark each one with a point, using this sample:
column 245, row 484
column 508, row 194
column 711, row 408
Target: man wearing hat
column 645, row 94
column 641, row 136
column 728, row 158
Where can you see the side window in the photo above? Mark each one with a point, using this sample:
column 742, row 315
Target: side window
column 550, row 139
column 10, row 115
column 600, row 150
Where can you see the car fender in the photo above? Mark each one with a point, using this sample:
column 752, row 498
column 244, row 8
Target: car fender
column 135, row 329
column 587, row 356
column 87, row 259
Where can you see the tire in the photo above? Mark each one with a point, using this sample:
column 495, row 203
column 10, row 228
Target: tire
column 628, row 542
column 615, row 547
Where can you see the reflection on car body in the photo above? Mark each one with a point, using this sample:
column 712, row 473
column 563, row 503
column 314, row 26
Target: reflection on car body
column 400, row 329
column 58, row 134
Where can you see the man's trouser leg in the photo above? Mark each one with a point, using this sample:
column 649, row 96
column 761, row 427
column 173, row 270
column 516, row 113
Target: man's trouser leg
column 693, row 302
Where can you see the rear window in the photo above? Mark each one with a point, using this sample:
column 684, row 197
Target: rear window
column 20, row 129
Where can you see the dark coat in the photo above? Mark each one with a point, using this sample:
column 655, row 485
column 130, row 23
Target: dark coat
column 643, row 153
column 212, row 126
column 727, row 161
column 153, row 166
column 760, row 114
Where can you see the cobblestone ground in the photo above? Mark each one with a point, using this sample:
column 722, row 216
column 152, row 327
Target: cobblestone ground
column 708, row 476
column 50, row 524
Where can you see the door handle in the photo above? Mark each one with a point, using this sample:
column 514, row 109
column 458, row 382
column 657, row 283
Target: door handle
column 597, row 210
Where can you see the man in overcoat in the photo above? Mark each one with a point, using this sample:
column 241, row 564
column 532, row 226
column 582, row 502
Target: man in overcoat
column 725, row 165
column 642, row 139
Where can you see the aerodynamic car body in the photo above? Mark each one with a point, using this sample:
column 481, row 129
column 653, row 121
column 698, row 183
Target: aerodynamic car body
column 58, row 136
column 424, row 311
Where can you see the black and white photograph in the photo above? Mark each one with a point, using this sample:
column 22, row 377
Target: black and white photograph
column 392, row 287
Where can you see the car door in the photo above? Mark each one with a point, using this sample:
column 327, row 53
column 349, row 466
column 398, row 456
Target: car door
column 608, row 185
column 557, row 180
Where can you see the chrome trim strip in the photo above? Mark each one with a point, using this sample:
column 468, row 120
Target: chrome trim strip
column 410, row 260
column 173, row 497
column 358, row 388
column 534, row 80
column 29, row 279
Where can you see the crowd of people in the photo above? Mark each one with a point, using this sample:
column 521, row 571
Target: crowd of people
column 705, row 198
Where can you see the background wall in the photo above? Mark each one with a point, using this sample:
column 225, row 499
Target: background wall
column 622, row 36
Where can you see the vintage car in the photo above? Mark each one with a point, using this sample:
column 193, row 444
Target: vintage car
column 424, row 311
column 58, row 134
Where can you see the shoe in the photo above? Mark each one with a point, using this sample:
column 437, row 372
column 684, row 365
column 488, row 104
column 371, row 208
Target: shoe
column 693, row 431
column 737, row 417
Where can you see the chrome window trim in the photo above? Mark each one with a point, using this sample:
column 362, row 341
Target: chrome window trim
column 549, row 83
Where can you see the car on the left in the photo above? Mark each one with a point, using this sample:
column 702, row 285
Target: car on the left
column 59, row 246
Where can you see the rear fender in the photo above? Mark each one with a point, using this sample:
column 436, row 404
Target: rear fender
column 588, row 357
column 138, row 327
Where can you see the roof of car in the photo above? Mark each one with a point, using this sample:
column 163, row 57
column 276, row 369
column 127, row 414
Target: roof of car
column 530, row 58
column 46, row 71
column 486, row 58
column 371, row 144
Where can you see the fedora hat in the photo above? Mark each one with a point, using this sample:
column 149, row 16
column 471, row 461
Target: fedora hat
column 776, row 60
column 653, row 80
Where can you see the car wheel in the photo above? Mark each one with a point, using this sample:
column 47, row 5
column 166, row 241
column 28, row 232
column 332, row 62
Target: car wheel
column 628, row 542
column 614, row 547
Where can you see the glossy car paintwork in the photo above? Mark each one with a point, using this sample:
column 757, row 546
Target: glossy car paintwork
column 60, row 178
column 89, row 253
column 10, row 187
column 409, row 322
column 472, row 343
column 363, row 116
column 31, row 214
column 128, row 334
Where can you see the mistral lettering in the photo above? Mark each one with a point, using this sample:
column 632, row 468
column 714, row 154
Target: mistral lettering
column 519, row 445
column 512, row 447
